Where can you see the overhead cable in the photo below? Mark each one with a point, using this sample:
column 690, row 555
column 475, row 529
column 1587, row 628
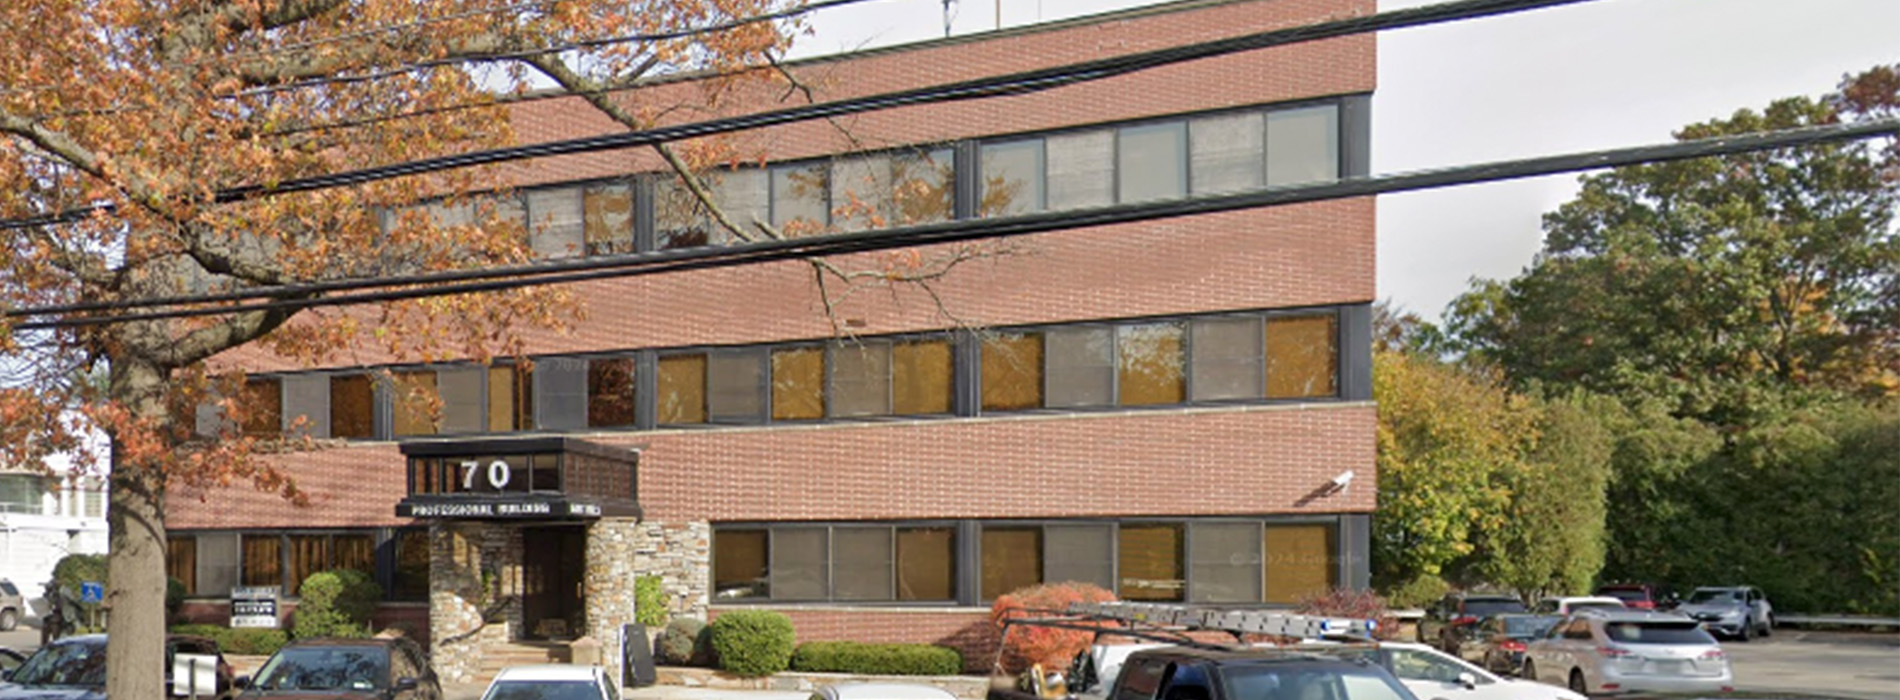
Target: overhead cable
column 587, row 269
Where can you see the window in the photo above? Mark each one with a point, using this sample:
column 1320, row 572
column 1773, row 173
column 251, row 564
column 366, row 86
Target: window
column 921, row 377
column 862, row 557
column 1151, row 162
column 1226, row 563
column 95, row 500
column 871, row 191
column 1011, row 178
column 610, row 392
column 21, row 493
column 1229, row 360
column 1151, row 367
column 1081, row 169
column 263, row 407
column 1080, row 367
column 411, row 579
column 554, row 222
column 1300, row 561
column 353, row 552
column 309, row 554
column 682, row 389
column 798, row 383
column 739, row 564
column 1076, row 552
column 415, row 397
column 1151, row 562
column 352, row 406
column 307, row 404
column 1011, row 559
column 681, row 222
column 861, row 378
column 1302, row 145
column 1302, row 356
column 181, row 561
column 800, row 563
column 607, row 219
column 799, row 201
column 735, row 391
column 923, row 187
column 926, row 563
column 263, row 560
column 1227, row 152
column 460, row 391
column 510, row 398
column 1012, row 371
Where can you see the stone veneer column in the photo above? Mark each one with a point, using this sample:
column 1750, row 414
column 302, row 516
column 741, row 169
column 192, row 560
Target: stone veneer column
column 461, row 555
column 619, row 550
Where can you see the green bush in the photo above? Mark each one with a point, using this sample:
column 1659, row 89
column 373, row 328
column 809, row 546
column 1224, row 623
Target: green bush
column 336, row 603
column 686, row 641
column 252, row 641
column 1420, row 592
column 649, row 602
column 878, row 659
column 174, row 597
column 753, row 643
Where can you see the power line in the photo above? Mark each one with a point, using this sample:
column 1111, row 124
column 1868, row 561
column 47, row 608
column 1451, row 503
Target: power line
column 1023, row 82
column 581, row 270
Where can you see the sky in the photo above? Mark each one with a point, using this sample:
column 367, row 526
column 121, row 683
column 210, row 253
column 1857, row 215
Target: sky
column 1599, row 75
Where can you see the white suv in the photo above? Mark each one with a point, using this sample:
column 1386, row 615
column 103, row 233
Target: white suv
column 1609, row 651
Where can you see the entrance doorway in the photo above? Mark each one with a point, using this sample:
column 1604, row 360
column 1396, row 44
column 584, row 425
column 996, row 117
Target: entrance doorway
column 554, row 559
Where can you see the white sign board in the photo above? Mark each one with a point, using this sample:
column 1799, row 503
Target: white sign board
column 254, row 606
column 194, row 675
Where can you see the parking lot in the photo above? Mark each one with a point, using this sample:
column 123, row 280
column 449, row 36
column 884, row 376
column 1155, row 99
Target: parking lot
column 1848, row 664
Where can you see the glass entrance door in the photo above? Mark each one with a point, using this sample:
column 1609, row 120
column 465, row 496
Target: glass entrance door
column 553, row 562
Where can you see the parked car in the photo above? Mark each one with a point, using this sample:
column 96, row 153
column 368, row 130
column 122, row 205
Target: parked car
column 552, row 682
column 1446, row 623
column 1565, row 605
column 1640, row 596
column 74, row 668
column 380, row 668
column 1201, row 673
column 882, row 691
column 9, row 659
column 1735, row 611
column 1430, row 673
column 12, row 605
column 1612, row 651
column 1497, row 642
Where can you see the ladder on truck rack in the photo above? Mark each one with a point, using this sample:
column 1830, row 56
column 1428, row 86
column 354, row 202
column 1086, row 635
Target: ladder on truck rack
column 1236, row 622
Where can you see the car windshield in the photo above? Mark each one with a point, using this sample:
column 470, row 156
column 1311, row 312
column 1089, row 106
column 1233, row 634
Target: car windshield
column 1525, row 627
column 1486, row 607
column 543, row 690
column 325, row 668
column 69, row 664
column 1299, row 682
column 1657, row 633
column 1625, row 594
column 1715, row 595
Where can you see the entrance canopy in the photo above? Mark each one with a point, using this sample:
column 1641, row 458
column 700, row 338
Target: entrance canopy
column 520, row 478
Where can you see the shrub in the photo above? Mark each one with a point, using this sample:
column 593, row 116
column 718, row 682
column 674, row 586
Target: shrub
column 879, row 659
column 174, row 598
column 753, row 643
column 1419, row 592
column 686, row 641
column 336, row 603
column 1353, row 604
column 253, row 641
column 1053, row 648
column 649, row 602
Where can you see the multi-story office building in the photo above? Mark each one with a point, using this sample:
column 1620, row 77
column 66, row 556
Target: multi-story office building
column 1160, row 408
column 45, row 515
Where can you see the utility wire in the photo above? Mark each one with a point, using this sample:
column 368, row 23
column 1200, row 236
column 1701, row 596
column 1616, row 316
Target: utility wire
column 1019, row 83
column 570, row 271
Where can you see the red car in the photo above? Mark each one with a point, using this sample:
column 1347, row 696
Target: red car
column 1641, row 596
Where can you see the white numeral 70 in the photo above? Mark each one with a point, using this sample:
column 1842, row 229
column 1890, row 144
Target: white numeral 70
column 499, row 473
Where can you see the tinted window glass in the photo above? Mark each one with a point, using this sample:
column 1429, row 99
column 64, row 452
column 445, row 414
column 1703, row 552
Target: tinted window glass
column 1486, row 607
column 263, row 407
column 544, row 690
column 1012, row 178
column 1657, row 633
column 739, row 564
column 71, row 664
column 1152, row 162
column 1151, row 562
column 1012, row 559
column 1300, row 681
column 1012, row 371
column 798, row 384
column 609, row 392
column 1302, row 145
column 325, row 668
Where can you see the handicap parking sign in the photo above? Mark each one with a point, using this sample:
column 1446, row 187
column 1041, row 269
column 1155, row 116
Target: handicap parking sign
column 92, row 592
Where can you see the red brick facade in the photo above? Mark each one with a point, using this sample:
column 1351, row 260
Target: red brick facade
column 1233, row 460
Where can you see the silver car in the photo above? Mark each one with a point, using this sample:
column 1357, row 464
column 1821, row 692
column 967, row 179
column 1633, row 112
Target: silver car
column 1612, row 651
column 1733, row 611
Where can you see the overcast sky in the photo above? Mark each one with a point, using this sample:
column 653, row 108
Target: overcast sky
column 1598, row 75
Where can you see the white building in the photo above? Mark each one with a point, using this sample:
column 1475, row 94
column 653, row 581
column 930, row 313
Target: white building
column 46, row 515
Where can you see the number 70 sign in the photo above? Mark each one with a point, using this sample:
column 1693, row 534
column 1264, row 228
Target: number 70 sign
column 498, row 474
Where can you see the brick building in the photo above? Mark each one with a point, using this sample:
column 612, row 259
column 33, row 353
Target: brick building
column 1159, row 408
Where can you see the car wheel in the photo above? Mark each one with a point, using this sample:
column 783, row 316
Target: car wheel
column 1529, row 672
column 9, row 619
column 1768, row 626
column 1748, row 630
column 1576, row 682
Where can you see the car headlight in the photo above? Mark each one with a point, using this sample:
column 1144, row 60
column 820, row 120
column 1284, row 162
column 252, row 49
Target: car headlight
column 1731, row 614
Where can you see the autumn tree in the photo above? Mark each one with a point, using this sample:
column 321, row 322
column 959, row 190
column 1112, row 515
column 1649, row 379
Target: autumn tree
column 151, row 107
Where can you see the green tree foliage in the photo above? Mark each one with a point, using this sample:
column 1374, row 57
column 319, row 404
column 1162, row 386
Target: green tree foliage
column 1553, row 541
column 1704, row 283
column 1446, row 442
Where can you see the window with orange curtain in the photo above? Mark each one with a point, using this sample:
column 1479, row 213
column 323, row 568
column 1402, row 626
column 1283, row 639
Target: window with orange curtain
column 1012, row 559
column 351, row 551
column 1151, row 562
column 609, row 392
column 921, row 375
column 352, row 407
column 510, row 398
column 181, row 561
column 415, row 400
column 411, row 581
column 1301, row 561
column 1012, row 371
column 309, row 554
column 263, row 560
column 1152, row 368
column 682, row 389
column 263, row 407
column 926, row 563
column 798, row 383
column 1302, row 357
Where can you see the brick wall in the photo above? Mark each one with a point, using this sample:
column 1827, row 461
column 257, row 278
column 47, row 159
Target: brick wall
column 1251, row 460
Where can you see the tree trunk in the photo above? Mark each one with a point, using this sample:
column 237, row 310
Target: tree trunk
column 135, row 592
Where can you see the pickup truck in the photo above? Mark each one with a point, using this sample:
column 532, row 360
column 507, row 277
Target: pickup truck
column 1209, row 673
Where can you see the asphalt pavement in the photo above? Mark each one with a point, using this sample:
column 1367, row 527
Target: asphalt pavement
column 1847, row 664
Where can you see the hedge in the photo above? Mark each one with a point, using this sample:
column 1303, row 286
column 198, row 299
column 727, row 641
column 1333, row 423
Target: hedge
column 752, row 643
column 686, row 641
column 336, row 603
column 244, row 641
column 877, row 659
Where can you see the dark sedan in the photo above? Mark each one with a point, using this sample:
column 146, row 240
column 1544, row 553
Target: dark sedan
column 74, row 668
column 345, row 669
column 1497, row 642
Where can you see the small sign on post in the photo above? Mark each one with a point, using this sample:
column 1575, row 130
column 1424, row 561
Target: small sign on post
column 254, row 606
column 92, row 592
column 194, row 675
